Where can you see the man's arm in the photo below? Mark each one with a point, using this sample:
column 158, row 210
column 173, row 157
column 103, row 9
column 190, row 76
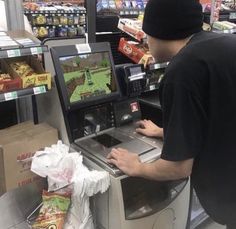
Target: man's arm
column 165, row 170
column 160, row 170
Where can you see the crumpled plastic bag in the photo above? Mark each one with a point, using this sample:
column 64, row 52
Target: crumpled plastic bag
column 57, row 164
column 86, row 183
column 64, row 169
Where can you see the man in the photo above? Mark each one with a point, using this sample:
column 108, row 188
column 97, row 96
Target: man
column 198, row 97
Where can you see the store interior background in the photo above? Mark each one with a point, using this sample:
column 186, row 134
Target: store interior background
column 98, row 26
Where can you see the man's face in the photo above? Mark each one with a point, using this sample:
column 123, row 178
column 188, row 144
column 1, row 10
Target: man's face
column 158, row 49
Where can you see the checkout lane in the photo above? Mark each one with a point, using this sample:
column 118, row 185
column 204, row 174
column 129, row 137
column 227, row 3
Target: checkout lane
column 100, row 106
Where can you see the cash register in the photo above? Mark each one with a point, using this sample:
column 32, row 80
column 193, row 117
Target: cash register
column 100, row 109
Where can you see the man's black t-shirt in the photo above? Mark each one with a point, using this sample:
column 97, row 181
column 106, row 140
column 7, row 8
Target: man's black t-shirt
column 198, row 96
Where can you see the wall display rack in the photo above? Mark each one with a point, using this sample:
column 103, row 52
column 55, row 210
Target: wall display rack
column 24, row 45
column 57, row 21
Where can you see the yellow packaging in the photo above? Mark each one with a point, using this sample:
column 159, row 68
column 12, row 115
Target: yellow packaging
column 40, row 77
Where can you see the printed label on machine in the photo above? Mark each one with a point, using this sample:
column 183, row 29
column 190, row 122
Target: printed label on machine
column 134, row 107
column 83, row 48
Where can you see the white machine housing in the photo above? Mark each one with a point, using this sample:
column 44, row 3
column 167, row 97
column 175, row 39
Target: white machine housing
column 111, row 210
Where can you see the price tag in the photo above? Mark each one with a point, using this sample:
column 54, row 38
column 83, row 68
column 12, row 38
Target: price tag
column 39, row 90
column 36, row 50
column 83, row 48
column 152, row 87
column 232, row 15
column 10, row 95
column 13, row 53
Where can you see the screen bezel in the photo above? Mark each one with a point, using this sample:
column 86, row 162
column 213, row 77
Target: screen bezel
column 65, row 51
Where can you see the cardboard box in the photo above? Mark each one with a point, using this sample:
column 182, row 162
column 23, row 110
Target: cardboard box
column 39, row 78
column 133, row 27
column 11, row 85
column 16, row 148
column 136, row 52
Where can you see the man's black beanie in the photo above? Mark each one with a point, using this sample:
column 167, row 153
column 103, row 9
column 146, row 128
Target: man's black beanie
column 172, row 19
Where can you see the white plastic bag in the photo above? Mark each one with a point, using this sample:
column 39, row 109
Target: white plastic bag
column 86, row 183
column 64, row 169
column 57, row 164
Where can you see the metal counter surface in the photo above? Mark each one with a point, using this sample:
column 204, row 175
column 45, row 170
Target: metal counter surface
column 16, row 205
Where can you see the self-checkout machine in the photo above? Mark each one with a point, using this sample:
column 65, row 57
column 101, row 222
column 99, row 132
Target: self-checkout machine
column 98, row 118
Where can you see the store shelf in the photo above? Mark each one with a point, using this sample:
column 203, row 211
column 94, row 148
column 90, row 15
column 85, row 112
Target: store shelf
column 26, row 12
column 26, row 51
column 22, row 93
column 21, row 43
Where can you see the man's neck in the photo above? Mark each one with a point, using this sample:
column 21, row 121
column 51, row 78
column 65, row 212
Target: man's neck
column 177, row 45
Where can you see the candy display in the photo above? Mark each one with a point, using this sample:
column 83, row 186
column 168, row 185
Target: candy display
column 76, row 20
column 52, row 32
column 5, row 77
column 40, row 20
column 29, row 70
column 71, row 20
column 9, row 84
column 123, row 7
column 43, row 32
column 56, row 20
column 62, row 32
column 72, row 31
column 63, row 20
column 22, row 68
column 35, row 31
column 53, row 211
column 7, row 81
column 51, row 19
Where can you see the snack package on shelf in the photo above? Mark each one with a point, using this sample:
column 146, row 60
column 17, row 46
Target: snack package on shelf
column 132, row 27
column 62, row 31
column 29, row 70
column 223, row 25
column 40, row 20
column 72, row 31
column 7, row 81
column 31, row 6
column 53, row 211
column 52, row 32
column 43, row 32
column 63, row 20
column 71, row 20
column 139, row 53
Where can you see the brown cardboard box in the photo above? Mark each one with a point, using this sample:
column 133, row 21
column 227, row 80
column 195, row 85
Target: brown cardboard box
column 137, row 52
column 15, row 150
column 16, row 129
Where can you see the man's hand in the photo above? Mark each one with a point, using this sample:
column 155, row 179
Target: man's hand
column 148, row 128
column 126, row 161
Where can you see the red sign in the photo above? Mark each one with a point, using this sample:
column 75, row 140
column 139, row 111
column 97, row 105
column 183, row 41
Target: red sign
column 134, row 107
